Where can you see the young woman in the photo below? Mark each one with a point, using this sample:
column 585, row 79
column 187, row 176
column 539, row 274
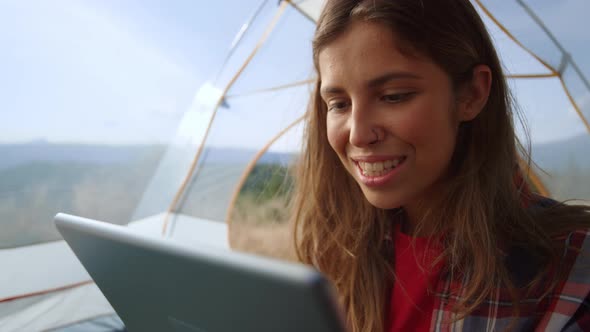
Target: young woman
column 409, row 196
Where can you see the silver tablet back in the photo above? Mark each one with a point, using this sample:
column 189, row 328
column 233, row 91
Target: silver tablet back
column 157, row 285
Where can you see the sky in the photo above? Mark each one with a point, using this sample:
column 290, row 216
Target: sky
column 128, row 72
column 108, row 71
column 548, row 112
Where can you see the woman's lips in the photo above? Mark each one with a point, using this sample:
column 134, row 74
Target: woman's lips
column 375, row 171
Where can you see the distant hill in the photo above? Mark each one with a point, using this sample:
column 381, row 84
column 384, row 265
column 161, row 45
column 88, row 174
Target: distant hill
column 12, row 155
column 565, row 167
column 39, row 179
column 229, row 155
column 560, row 155
column 555, row 156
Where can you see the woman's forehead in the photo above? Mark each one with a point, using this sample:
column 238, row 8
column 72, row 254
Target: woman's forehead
column 367, row 51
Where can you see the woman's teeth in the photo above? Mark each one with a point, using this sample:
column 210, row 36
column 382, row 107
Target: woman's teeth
column 379, row 168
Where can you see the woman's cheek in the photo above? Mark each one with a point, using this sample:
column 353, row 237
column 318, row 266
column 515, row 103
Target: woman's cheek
column 413, row 127
column 336, row 135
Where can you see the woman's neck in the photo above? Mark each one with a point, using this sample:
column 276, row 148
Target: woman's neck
column 419, row 217
column 417, row 221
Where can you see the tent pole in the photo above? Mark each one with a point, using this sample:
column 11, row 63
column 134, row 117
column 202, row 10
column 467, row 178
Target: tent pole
column 511, row 36
column 300, row 11
column 261, row 41
column 250, row 167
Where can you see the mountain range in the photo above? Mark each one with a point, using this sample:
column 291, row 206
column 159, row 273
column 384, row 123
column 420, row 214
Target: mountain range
column 552, row 156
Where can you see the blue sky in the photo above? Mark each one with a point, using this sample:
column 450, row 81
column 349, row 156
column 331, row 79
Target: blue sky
column 114, row 71
column 123, row 72
column 547, row 109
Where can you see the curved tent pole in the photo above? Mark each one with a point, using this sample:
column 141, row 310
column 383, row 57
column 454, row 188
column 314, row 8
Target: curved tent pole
column 534, row 178
column 566, row 58
column 251, row 165
column 525, row 165
column 565, row 61
column 294, row 5
column 47, row 291
column 193, row 166
column 239, row 36
column 519, row 76
column 574, row 104
column 511, row 36
column 280, row 87
column 237, row 39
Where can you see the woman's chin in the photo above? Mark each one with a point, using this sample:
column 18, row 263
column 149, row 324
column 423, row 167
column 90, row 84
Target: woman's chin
column 383, row 201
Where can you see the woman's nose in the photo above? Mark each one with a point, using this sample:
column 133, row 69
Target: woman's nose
column 364, row 128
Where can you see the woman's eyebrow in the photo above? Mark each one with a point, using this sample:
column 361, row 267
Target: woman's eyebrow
column 390, row 76
column 330, row 90
column 375, row 82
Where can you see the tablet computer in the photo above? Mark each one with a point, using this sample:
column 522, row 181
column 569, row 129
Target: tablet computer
column 155, row 284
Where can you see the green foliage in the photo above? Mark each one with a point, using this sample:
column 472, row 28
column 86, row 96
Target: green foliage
column 264, row 197
column 267, row 181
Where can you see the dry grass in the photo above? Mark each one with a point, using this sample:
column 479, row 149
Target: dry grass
column 262, row 228
column 266, row 240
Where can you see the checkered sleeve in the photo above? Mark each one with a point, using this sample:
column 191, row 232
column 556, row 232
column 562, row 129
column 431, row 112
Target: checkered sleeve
column 570, row 309
column 581, row 319
column 566, row 308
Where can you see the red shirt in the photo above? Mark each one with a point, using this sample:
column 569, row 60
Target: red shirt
column 412, row 298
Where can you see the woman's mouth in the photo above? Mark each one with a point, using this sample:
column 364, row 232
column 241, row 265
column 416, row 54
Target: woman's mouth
column 377, row 173
column 379, row 168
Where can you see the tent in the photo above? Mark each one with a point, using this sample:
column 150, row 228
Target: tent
column 182, row 121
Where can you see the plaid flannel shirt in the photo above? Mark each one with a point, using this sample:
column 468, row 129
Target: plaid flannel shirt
column 567, row 308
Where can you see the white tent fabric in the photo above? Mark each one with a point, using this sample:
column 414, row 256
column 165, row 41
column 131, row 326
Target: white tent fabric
column 248, row 113
column 59, row 308
column 56, row 290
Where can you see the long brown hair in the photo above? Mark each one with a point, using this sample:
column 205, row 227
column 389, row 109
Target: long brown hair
column 481, row 212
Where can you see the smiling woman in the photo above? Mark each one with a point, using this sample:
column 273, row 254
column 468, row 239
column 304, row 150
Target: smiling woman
column 392, row 109
column 410, row 197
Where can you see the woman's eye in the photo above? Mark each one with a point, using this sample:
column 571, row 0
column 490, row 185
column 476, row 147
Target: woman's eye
column 397, row 97
column 337, row 105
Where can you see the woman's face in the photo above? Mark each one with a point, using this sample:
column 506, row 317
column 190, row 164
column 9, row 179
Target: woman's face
column 391, row 116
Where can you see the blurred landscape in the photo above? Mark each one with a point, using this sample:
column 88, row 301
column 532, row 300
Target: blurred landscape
column 260, row 219
column 39, row 179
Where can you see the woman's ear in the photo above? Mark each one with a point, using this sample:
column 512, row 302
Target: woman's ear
column 474, row 95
